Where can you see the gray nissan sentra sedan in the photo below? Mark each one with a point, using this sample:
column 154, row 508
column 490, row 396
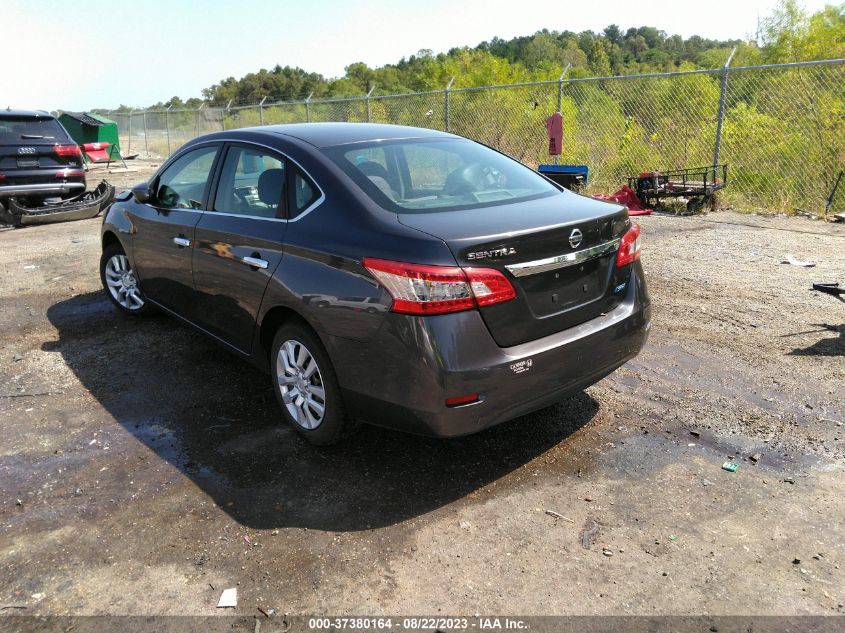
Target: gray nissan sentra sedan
column 405, row 277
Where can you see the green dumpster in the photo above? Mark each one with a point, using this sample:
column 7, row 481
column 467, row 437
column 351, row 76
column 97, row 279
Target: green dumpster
column 89, row 127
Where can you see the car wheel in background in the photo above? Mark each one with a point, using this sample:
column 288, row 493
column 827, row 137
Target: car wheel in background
column 120, row 283
column 7, row 217
column 306, row 386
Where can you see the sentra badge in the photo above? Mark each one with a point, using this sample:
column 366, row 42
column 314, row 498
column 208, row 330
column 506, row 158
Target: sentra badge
column 495, row 252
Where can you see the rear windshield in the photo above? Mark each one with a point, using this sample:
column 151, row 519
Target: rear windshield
column 416, row 175
column 18, row 128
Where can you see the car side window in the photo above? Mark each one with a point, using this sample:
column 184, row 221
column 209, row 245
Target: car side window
column 305, row 193
column 182, row 184
column 252, row 182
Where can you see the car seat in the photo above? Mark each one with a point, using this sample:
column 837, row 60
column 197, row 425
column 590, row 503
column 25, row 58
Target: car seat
column 378, row 175
column 271, row 184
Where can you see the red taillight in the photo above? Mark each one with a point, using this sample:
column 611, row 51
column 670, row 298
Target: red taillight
column 489, row 286
column 67, row 150
column 421, row 289
column 459, row 400
column 70, row 173
column 629, row 248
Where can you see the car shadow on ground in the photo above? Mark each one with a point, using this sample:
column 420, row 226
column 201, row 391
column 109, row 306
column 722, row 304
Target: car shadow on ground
column 215, row 418
column 827, row 346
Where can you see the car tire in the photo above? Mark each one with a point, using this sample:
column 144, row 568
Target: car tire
column 695, row 205
column 8, row 217
column 120, row 283
column 306, row 386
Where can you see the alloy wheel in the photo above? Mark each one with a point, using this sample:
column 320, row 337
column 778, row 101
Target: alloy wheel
column 301, row 384
column 122, row 283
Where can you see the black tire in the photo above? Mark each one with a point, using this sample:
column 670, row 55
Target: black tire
column 695, row 205
column 335, row 424
column 128, row 305
column 7, row 217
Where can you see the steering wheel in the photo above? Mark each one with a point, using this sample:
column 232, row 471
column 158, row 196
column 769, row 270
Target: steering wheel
column 493, row 178
column 241, row 200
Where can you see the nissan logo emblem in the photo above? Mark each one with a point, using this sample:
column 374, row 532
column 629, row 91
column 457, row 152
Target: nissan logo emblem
column 575, row 238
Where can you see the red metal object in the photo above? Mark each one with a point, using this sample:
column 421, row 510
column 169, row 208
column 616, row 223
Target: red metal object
column 629, row 198
column 96, row 152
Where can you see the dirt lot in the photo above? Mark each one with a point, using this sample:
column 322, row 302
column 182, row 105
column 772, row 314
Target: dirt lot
column 143, row 469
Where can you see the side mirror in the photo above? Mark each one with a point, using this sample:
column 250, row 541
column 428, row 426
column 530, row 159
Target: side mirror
column 142, row 192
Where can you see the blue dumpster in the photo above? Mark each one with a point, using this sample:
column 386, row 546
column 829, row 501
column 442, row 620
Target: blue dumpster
column 573, row 177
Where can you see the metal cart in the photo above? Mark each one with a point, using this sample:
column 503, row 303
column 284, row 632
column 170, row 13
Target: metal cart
column 697, row 185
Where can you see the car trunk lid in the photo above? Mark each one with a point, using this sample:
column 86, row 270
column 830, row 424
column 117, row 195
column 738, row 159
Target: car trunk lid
column 559, row 253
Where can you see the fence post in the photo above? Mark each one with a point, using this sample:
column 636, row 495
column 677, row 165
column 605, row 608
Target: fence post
column 446, row 104
column 129, row 148
column 560, row 86
column 308, row 108
column 560, row 96
column 261, row 111
column 223, row 114
column 721, row 115
column 199, row 110
column 146, row 149
column 368, row 102
column 167, row 126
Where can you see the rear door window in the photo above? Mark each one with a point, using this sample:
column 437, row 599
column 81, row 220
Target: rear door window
column 252, row 182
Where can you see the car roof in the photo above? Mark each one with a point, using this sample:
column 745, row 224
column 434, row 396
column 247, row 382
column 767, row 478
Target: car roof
column 330, row 134
column 32, row 113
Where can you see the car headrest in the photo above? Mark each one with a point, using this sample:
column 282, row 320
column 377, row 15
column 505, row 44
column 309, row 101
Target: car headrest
column 270, row 186
column 383, row 186
column 372, row 168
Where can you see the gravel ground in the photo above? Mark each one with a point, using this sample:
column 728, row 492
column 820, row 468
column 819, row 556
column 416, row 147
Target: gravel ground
column 143, row 469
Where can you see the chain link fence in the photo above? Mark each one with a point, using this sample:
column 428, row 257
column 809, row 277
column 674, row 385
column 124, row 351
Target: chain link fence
column 780, row 128
column 784, row 135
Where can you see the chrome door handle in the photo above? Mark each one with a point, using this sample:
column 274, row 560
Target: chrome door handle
column 254, row 262
column 181, row 241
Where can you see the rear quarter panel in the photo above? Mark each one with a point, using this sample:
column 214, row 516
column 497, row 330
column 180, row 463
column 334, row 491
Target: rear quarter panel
column 321, row 277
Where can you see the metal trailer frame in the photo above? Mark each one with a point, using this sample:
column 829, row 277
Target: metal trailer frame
column 696, row 184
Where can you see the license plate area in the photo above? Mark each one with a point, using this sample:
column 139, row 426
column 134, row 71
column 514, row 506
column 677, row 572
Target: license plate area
column 559, row 290
column 27, row 162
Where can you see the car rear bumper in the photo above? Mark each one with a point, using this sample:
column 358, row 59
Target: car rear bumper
column 42, row 189
column 403, row 376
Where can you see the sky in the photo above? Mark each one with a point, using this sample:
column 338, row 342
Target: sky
column 103, row 53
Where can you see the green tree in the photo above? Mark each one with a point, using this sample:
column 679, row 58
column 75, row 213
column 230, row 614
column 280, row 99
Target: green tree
column 599, row 60
column 542, row 49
